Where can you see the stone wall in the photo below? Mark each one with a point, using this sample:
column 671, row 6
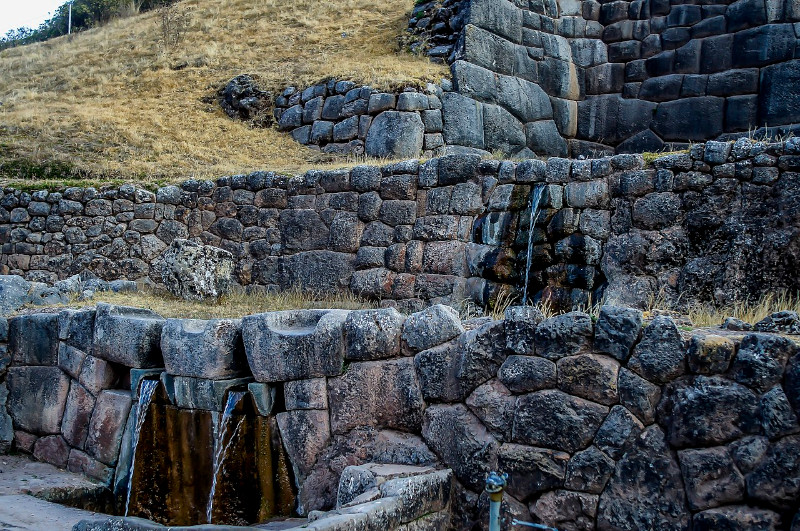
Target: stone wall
column 339, row 117
column 717, row 224
column 606, row 422
column 624, row 76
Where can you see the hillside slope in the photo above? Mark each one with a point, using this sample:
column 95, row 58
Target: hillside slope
column 114, row 102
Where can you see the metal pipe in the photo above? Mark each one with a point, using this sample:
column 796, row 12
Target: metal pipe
column 495, row 485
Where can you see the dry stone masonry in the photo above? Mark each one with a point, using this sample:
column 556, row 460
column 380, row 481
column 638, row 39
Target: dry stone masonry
column 717, row 223
column 393, row 422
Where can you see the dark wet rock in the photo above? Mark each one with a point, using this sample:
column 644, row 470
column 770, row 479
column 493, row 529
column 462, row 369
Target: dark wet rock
column 735, row 518
column 710, row 477
column 638, row 395
column 617, row 330
column 564, row 509
column 521, row 323
column 531, row 470
column 563, row 335
column 661, row 355
column 553, row 419
column 589, row 471
column 646, row 490
column 774, row 479
column 747, row 452
column 618, row 432
column 462, row 442
column 589, row 376
column 777, row 417
column 687, row 405
column 761, row 359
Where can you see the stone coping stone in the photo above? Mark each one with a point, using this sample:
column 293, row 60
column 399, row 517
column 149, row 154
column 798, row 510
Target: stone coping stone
column 128, row 336
column 294, row 345
column 210, row 349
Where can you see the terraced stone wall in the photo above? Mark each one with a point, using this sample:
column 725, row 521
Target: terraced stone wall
column 719, row 223
column 393, row 422
column 557, row 77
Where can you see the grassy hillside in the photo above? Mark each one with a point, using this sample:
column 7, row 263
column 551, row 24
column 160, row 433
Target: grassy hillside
column 116, row 103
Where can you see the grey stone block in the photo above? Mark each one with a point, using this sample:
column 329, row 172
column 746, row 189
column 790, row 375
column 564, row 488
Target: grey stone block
column 463, row 121
column 395, row 134
column 210, row 349
column 128, row 336
column 37, row 397
column 431, row 327
column 33, row 339
column 208, row 395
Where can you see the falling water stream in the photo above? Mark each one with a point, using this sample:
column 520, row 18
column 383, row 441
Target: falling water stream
column 536, row 197
column 220, row 447
column 146, row 392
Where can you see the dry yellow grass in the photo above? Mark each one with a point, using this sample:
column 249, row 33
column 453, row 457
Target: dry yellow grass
column 110, row 103
column 233, row 306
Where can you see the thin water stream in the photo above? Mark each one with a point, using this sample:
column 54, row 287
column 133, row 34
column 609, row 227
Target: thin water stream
column 536, row 197
column 146, row 391
column 221, row 447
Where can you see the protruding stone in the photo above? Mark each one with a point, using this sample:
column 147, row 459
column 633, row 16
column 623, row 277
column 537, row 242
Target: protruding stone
column 531, row 470
column 373, row 334
column 210, row 349
column 208, row 395
column 294, row 345
column 128, row 336
column 761, row 359
column 494, row 405
column 617, row 330
column 661, row 355
column 431, row 327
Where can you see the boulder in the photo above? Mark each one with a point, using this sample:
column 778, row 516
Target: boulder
column 494, row 405
column 128, row 336
column 193, row 271
column 710, row 354
column 395, row 135
column 15, row 292
column 590, row 376
column 563, row 335
column 521, row 323
column 564, row 509
column 710, row 477
column 210, row 349
column 294, row 345
column 618, row 432
column 373, row 334
column 589, row 471
column 617, row 330
column 761, row 360
column 531, row 470
column 526, row 374
column 774, row 479
column 661, row 354
column 638, row 395
column 431, row 327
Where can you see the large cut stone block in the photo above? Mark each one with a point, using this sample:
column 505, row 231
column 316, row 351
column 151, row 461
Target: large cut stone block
column 209, row 395
column 108, row 425
column 373, row 334
column 76, row 328
column 395, row 135
column 33, row 339
column 384, row 394
column 305, row 434
column 37, row 396
column 128, row 336
column 77, row 414
column 294, row 345
column 431, row 327
column 204, row 349
column 52, row 449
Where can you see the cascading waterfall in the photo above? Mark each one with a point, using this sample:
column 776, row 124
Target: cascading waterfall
column 146, row 391
column 536, row 197
column 220, row 447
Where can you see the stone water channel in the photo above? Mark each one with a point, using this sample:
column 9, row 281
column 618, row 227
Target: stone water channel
column 374, row 420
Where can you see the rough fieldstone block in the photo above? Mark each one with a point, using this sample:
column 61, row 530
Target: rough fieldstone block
column 566, row 509
column 107, row 425
column 383, row 394
column 294, row 345
column 36, row 399
column 210, row 349
column 431, row 327
column 761, row 359
column 128, row 336
column 687, row 408
column 306, row 394
column 525, row 374
column 661, row 354
column 777, row 417
column 710, row 354
column 462, row 442
column 33, row 339
column 395, row 134
column 659, row 499
column 619, row 430
column 520, row 327
column 733, row 517
column 589, row 376
column 774, row 480
column 563, row 335
column 531, row 470
column 77, row 414
column 553, row 419
column 589, row 471
column 617, row 330
column 494, row 405
column 373, row 334
column 305, row 434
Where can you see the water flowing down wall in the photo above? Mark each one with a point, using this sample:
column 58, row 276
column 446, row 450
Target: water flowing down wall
column 718, row 223
column 606, row 421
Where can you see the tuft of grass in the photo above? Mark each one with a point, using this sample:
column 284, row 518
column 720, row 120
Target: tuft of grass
column 109, row 103
column 234, row 306
column 749, row 312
